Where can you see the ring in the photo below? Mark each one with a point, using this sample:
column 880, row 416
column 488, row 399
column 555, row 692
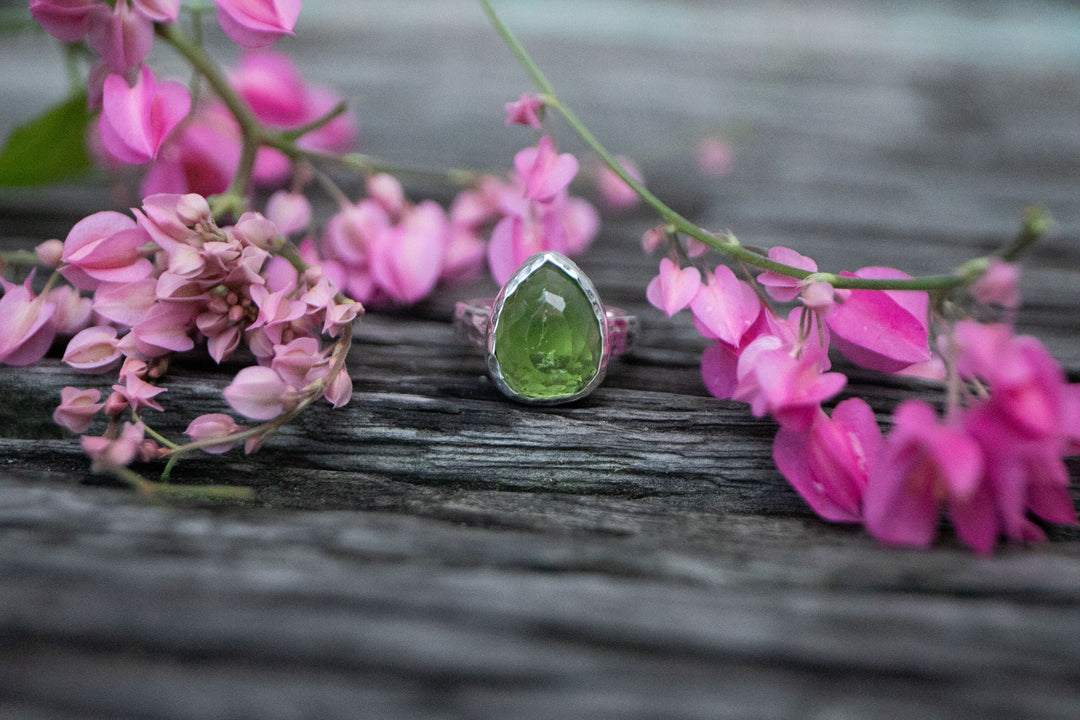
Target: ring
column 547, row 336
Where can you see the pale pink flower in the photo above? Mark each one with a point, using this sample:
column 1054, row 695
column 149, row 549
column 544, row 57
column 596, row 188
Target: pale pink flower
column 999, row 285
column 651, row 239
column 819, row 297
column 26, row 324
column 524, row 111
column 93, row 350
column 108, row 454
column 77, row 409
column 387, row 191
column 290, row 212
column 782, row 287
column 725, row 306
column 829, row 462
column 136, row 120
column 138, row 393
column 49, row 253
column 674, row 288
column 339, row 389
column 614, row 192
column 515, row 239
column 884, row 330
column 715, row 157
column 122, row 36
column 544, row 172
column 463, row 255
column 257, row 23
column 166, row 327
column 66, row 20
column 73, row 311
column 104, row 247
column 295, row 360
column 923, row 463
column 125, row 303
column 259, row 393
column 211, row 426
column 407, row 259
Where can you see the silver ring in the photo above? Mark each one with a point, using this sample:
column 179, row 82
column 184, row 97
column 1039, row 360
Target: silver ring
column 547, row 336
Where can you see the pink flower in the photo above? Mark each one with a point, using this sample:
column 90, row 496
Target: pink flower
column 725, row 306
column 544, row 172
column 77, row 409
column 290, row 212
column 339, row 389
column 66, row 20
column 714, row 157
column 27, row 328
column 122, row 36
column 295, row 361
column 94, row 350
column 407, row 259
column 923, row 463
column 138, row 393
column 73, row 311
column 104, row 247
column 884, row 330
column 211, row 426
column 257, row 23
column 781, row 287
column 999, row 285
column 136, row 120
column 388, row 192
column 614, row 192
column 524, row 111
column 49, row 252
column 259, row 393
column 515, row 239
column 108, row 454
column 829, row 462
column 674, row 288
column 162, row 11
column 651, row 239
column 776, row 382
column 200, row 158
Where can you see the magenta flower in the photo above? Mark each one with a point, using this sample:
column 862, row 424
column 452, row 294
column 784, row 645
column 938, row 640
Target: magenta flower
column 781, row 287
column 259, row 393
column 924, row 463
column 257, row 23
column 93, row 350
column 884, row 330
column 66, row 20
column 544, row 172
column 674, row 288
column 26, row 324
column 121, row 35
column 104, row 247
column 211, row 426
column 725, row 306
column 776, row 382
column 829, row 462
column 524, row 111
column 407, row 260
column 999, row 285
column 77, row 409
column 136, row 120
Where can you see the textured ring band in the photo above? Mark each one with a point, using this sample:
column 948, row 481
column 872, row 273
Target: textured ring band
column 547, row 336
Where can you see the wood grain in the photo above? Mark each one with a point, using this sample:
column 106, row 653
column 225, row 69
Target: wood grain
column 433, row 551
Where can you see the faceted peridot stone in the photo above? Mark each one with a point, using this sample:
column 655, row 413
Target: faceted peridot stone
column 548, row 340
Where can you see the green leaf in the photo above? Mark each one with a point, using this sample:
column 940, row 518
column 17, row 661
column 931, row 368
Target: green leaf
column 49, row 148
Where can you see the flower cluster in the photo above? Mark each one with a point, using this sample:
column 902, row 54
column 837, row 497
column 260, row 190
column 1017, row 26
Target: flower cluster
column 996, row 455
column 171, row 280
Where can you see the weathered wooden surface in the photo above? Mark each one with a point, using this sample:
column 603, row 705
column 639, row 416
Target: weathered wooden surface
column 433, row 551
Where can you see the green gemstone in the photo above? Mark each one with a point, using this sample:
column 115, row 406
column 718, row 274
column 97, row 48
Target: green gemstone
column 548, row 340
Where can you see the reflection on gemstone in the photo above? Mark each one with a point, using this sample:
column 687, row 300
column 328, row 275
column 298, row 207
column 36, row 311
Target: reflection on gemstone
column 548, row 341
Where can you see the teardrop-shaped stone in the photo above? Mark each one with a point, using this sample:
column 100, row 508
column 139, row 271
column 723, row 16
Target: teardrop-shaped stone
column 548, row 340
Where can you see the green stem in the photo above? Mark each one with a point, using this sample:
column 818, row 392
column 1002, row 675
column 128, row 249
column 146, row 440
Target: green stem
column 1034, row 225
